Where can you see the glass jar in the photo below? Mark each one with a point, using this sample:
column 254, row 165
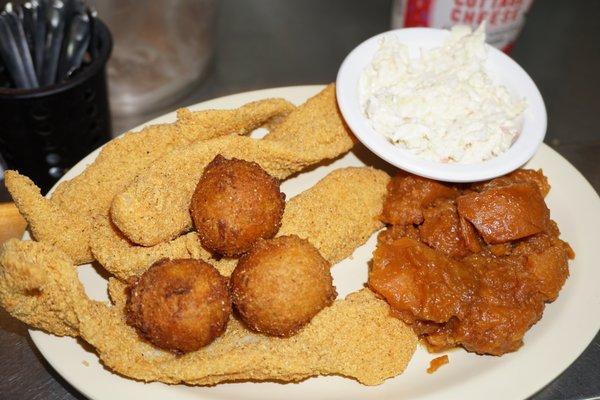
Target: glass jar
column 161, row 49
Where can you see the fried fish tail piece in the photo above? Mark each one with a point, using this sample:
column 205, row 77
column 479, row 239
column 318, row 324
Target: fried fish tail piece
column 63, row 219
column 336, row 215
column 49, row 222
column 355, row 337
column 154, row 208
column 39, row 286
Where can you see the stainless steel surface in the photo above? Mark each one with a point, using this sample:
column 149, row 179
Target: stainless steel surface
column 268, row 43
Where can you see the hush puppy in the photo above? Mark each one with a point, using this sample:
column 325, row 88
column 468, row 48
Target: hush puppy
column 280, row 285
column 236, row 203
column 179, row 305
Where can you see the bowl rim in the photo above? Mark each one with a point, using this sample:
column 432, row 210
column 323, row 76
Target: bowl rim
column 524, row 147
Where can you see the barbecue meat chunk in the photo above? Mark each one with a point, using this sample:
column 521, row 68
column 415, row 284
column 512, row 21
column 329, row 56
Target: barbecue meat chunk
column 408, row 195
column 547, row 259
column 443, row 230
column 419, row 282
column 535, row 177
column 507, row 303
column 505, row 213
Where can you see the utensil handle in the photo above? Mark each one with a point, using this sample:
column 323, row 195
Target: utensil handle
column 75, row 46
column 55, row 21
column 14, row 22
column 10, row 54
column 39, row 37
column 28, row 19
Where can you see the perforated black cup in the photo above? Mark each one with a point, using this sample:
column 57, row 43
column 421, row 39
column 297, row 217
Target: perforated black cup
column 45, row 131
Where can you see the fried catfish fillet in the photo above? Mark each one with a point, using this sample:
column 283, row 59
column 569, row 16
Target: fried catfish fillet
column 355, row 337
column 63, row 220
column 39, row 286
column 48, row 221
column 154, row 208
column 336, row 215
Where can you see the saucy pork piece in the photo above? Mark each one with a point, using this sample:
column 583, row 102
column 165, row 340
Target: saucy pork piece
column 419, row 282
column 399, row 231
column 536, row 177
column 472, row 267
column 442, row 230
column 436, row 363
column 409, row 194
column 472, row 239
column 547, row 259
column 506, row 305
column 443, row 338
column 505, row 213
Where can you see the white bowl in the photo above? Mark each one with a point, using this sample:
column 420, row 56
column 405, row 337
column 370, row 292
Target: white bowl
column 501, row 68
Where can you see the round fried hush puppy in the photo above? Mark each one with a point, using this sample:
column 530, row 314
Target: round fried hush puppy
column 179, row 305
column 280, row 285
column 236, row 203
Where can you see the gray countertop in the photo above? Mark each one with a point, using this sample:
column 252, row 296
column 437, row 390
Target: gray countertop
column 270, row 43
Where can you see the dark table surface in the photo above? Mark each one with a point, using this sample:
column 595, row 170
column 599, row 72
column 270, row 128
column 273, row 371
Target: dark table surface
column 269, row 43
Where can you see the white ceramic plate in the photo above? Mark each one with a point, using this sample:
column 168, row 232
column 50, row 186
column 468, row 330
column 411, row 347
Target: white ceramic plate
column 500, row 66
column 569, row 324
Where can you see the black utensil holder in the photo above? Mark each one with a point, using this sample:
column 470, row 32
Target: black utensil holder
column 45, row 131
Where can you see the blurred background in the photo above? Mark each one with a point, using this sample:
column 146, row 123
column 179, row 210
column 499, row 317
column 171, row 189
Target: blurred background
column 170, row 54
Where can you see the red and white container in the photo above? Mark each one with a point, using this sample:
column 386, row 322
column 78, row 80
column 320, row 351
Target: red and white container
column 504, row 18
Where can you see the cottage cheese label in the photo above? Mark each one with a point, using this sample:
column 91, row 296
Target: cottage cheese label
column 504, row 18
column 441, row 106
